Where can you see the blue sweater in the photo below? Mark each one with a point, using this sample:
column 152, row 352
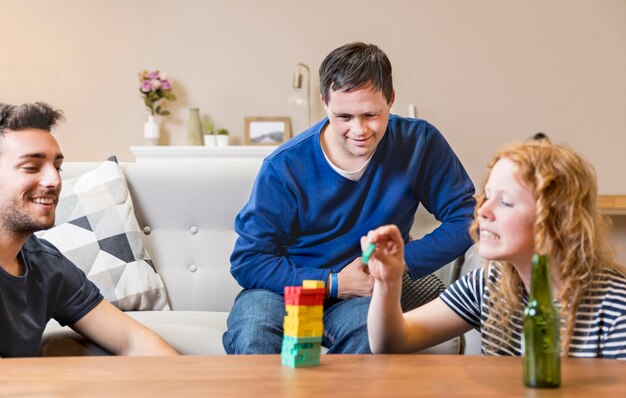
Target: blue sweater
column 303, row 220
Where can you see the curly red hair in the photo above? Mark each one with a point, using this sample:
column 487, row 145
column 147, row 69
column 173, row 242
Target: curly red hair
column 568, row 227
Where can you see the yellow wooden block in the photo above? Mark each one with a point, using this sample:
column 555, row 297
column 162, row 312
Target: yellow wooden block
column 296, row 328
column 298, row 311
column 312, row 284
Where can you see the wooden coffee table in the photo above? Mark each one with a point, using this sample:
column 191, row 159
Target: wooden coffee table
column 263, row 376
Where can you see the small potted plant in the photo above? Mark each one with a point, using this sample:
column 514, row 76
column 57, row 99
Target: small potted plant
column 222, row 137
column 209, row 133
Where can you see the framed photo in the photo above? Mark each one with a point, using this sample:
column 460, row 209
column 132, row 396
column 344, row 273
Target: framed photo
column 266, row 130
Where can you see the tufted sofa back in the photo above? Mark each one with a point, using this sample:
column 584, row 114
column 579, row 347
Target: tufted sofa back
column 186, row 210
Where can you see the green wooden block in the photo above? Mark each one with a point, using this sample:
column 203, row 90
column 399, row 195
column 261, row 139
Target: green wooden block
column 300, row 360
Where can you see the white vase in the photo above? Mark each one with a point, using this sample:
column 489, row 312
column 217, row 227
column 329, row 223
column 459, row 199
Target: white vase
column 221, row 140
column 151, row 131
column 209, row 140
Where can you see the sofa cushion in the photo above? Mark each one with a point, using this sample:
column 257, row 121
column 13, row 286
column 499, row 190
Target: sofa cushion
column 97, row 230
column 188, row 332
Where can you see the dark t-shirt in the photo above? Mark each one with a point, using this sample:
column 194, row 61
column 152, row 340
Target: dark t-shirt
column 51, row 287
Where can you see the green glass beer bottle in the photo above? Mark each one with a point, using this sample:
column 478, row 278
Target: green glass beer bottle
column 542, row 342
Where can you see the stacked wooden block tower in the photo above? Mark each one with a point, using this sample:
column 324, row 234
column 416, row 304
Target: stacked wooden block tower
column 303, row 324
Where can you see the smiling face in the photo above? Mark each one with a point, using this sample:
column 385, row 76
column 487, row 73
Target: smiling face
column 30, row 183
column 357, row 123
column 506, row 218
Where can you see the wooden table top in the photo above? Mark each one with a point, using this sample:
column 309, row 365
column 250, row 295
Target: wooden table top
column 337, row 376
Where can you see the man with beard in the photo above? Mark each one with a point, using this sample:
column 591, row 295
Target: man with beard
column 37, row 282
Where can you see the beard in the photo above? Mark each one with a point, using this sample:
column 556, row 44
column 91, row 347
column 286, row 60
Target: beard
column 24, row 224
column 16, row 219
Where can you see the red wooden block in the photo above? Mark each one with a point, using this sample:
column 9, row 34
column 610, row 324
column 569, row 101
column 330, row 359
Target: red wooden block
column 296, row 295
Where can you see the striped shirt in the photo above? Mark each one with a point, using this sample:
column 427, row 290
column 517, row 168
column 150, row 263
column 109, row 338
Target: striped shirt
column 599, row 331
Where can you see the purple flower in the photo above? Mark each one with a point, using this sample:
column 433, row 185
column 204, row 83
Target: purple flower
column 146, row 86
column 154, row 88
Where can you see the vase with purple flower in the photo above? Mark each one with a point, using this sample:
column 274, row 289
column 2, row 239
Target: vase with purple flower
column 154, row 87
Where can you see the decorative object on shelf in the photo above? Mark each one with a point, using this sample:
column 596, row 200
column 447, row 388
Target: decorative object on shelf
column 151, row 131
column 222, row 137
column 194, row 128
column 174, row 153
column 264, row 130
column 298, row 99
column 210, row 138
column 154, row 87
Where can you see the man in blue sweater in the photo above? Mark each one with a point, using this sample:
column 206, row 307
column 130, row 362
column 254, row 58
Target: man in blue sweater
column 317, row 194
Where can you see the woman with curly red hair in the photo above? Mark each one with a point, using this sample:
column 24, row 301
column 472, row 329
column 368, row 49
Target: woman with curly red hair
column 538, row 198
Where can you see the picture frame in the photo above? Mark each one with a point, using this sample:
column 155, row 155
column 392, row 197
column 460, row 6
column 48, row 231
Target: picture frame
column 267, row 130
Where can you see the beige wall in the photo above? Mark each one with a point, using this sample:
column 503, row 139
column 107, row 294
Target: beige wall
column 483, row 71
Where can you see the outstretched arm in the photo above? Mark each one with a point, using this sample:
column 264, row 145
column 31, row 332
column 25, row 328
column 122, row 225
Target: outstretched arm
column 385, row 324
column 120, row 334
column 389, row 330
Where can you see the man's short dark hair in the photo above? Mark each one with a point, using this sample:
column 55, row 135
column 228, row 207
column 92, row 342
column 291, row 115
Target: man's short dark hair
column 38, row 115
column 354, row 65
column 540, row 137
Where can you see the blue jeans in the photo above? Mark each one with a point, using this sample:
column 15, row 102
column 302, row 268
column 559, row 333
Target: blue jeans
column 255, row 325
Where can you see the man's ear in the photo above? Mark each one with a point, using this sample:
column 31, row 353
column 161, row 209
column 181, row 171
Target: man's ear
column 324, row 105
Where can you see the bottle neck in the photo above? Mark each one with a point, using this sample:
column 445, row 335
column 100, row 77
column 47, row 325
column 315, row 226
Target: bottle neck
column 540, row 283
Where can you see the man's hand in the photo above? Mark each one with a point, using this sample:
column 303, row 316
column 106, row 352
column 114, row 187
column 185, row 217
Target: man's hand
column 354, row 281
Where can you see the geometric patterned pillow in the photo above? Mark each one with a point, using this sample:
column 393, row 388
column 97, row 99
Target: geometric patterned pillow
column 96, row 229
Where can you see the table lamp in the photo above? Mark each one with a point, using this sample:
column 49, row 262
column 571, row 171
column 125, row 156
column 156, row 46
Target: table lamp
column 298, row 100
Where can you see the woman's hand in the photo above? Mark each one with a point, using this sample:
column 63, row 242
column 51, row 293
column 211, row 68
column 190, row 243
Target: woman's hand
column 386, row 264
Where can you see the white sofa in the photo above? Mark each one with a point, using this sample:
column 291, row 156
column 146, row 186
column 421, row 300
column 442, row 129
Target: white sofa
column 186, row 210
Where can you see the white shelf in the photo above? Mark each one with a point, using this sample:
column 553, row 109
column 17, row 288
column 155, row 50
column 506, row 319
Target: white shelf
column 186, row 153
